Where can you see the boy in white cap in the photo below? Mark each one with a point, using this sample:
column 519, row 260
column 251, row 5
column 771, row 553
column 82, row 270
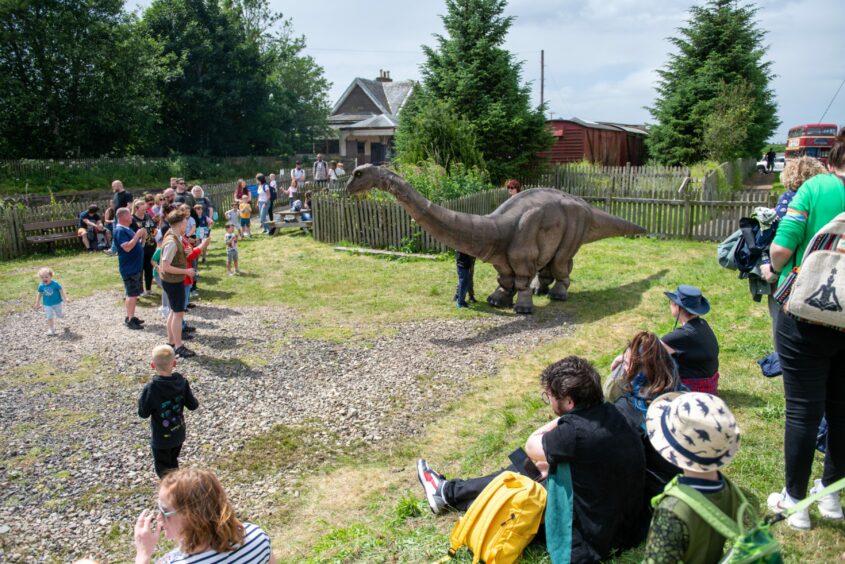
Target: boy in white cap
column 697, row 433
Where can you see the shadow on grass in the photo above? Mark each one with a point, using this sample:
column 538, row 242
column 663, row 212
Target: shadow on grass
column 594, row 305
column 207, row 294
column 736, row 399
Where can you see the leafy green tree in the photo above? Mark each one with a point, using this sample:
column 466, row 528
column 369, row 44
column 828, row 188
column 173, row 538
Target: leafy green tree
column 481, row 83
column 78, row 79
column 434, row 132
column 725, row 130
column 721, row 43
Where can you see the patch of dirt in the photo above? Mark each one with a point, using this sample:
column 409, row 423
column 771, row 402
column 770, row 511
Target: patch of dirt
column 75, row 465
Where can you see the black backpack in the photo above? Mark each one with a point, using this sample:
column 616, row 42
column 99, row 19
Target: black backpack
column 752, row 244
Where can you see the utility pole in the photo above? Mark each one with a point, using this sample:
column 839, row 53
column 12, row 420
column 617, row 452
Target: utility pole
column 542, row 76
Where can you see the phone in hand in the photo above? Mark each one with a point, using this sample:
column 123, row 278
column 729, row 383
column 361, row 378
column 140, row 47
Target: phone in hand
column 525, row 465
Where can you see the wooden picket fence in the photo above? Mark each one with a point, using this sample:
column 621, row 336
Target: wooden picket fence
column 385, row 224
column 573, row 178
column 13, row 242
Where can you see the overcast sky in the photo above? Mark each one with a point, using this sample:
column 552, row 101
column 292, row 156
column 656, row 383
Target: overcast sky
column 601, row 55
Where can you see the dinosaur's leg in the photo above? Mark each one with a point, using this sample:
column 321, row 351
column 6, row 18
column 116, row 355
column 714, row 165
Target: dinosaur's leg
column 524, row 295
column 503, row 296
column 560, row 291
column 540, row 284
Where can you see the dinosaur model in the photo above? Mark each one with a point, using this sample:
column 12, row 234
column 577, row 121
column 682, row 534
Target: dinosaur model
column 534, row 233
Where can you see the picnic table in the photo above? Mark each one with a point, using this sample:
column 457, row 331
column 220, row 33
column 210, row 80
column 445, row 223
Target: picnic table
column 284, row 219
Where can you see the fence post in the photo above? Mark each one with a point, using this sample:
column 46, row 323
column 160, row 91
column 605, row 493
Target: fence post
column 688, row 216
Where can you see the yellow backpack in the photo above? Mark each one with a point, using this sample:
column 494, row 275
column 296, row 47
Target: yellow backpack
column 501, row 521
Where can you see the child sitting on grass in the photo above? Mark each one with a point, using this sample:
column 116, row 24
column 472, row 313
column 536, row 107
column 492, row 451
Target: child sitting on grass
column 51, row 295
column 231, row 240
column 163, row 401
column 246, row 212
column 697, row 433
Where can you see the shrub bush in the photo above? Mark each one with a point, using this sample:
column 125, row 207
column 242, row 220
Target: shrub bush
column 432, row 181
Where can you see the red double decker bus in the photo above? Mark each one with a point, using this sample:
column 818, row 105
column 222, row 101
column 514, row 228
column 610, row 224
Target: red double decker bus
column 811, row 140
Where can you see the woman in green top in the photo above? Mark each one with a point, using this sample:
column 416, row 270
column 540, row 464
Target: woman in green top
column 812, row 357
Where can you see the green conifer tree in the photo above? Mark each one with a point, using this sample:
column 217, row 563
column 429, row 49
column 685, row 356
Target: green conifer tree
column 720, row 46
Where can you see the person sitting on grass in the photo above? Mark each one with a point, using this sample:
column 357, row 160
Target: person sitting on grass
column 163, row 401
column 231, row 240
column 698, row 433
column 591, row 441
column 52, row 296
column 693, row 345
column 194, row 512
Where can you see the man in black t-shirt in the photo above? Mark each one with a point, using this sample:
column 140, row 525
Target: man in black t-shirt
column 591, row 443
column 121, row 198
column 90, row 226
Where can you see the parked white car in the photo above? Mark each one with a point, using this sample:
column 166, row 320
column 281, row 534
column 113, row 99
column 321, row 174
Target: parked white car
column 780, row 162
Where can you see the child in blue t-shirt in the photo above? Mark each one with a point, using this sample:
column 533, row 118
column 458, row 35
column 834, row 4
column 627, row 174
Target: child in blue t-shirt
column 51, row 295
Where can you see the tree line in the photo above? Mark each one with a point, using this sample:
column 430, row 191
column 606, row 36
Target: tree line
column 195, row 77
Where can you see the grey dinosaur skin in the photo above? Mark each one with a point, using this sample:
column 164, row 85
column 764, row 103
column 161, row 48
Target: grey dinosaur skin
column 535, row 233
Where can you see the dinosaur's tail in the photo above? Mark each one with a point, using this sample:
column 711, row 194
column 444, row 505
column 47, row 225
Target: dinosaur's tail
column 605, row 225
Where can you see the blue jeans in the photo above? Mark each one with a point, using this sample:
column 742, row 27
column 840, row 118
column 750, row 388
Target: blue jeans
column 263, row 212
column 464, row 282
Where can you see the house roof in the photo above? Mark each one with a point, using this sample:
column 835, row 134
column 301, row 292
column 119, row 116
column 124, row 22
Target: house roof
column 605, row 125
column 381, row 121
column 389, row 97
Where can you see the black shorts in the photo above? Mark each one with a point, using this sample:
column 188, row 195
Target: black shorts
column 132, row 284
column 175, row 295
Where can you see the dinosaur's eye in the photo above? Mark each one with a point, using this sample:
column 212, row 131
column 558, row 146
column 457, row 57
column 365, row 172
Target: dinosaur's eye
column 358, row 174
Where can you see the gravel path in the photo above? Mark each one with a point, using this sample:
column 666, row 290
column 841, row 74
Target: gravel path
column 75, row 467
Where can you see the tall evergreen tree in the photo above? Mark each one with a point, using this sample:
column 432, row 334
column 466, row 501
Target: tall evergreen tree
column 480, row 82
column 720, row 46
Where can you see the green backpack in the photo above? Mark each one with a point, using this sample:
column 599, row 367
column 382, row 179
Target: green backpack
column 756, row 544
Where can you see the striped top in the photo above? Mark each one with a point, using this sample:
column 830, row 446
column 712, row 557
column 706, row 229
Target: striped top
column 254, row 550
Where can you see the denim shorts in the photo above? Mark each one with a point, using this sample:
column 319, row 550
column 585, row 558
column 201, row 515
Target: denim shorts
column 244, row 222
column 231, row 255
column 52, row 312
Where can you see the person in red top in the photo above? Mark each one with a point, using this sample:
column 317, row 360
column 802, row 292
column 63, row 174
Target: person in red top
column 192, row 253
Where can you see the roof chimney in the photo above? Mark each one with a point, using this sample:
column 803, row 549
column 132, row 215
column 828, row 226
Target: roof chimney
column 384, row 76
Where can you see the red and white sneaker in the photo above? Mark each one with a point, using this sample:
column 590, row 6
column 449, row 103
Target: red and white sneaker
column 432, row 483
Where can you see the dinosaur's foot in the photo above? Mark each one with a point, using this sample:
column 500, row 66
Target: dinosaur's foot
column 524, row 309
column 559, row 292
column 500, row 298
column 524, row 303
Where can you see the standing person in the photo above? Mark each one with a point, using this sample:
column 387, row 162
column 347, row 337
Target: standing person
column 195, row 514
column 202, row 200
column 465, row 264
column 121, row 198
column 130, row 254
column 321, row 170
column 591, row 442
column 693, row 344
column 142, row 219
column 264, row 197
column 173, row 270
column 51, row 295
column 168, row 197
column 163, row 401
column 297, row 180
column 241, row 190
column 339, row 170
column 812, row 357
column 245, row 211
column 770, row 160
column 273, row 194
column 333, row 170
column 231, row 240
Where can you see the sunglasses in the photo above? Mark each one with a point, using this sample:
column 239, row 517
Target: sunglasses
column 164, row 513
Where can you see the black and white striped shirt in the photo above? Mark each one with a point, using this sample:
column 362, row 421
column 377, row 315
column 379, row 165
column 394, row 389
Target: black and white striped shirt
column 254, row 550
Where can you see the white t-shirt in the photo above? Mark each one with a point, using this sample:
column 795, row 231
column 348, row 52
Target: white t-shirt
column 254, row 550
column 264, row 193
column 298, row 175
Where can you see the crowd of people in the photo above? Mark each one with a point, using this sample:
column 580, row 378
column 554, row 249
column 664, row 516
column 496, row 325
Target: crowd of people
column 657, row 421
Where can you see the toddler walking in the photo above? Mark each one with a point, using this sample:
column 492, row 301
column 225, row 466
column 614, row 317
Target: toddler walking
column 245, row 213
column 52, row 296
column 231, row 240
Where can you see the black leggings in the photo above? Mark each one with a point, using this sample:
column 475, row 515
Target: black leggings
column 148, row 267
column 813, row 361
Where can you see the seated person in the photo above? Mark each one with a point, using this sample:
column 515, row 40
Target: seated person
column 650, row 372
column 698, row 433
column 91, row 227
column 602, row 453
column 693, row 345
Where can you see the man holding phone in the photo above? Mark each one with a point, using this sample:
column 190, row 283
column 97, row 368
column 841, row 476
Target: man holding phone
column 604, row 457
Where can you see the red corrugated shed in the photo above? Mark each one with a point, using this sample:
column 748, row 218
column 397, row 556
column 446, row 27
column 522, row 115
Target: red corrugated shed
column 605, row 143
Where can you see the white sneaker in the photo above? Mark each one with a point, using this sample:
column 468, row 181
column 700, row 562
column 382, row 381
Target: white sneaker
column 51, row 333
column 829, row 506
column 780, row 502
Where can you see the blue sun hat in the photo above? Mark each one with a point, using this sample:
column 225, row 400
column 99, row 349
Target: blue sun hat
column 694, row 431
column 689, row 298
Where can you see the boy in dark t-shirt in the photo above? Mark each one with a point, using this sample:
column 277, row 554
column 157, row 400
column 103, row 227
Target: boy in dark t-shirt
column 163, row 400
column 693, row 345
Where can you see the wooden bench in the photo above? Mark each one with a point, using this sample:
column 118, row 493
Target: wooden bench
column 290, row 219
column 51, row 232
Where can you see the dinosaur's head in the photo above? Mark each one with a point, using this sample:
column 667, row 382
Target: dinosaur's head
column 366, row 177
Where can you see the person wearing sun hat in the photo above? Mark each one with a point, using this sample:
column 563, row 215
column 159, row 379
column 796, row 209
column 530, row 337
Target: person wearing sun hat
column 697, row 433
column 692, row 343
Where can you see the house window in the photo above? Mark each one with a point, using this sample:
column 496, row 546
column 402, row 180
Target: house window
column 361, row 147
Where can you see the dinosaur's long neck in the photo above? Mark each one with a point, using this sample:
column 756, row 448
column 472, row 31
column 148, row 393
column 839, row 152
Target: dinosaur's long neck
column 471, row 234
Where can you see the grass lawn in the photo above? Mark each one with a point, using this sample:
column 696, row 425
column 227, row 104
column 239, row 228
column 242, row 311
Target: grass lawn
column 366, row 506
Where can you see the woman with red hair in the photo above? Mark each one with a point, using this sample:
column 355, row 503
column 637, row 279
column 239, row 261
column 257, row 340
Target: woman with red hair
column 195, row 513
